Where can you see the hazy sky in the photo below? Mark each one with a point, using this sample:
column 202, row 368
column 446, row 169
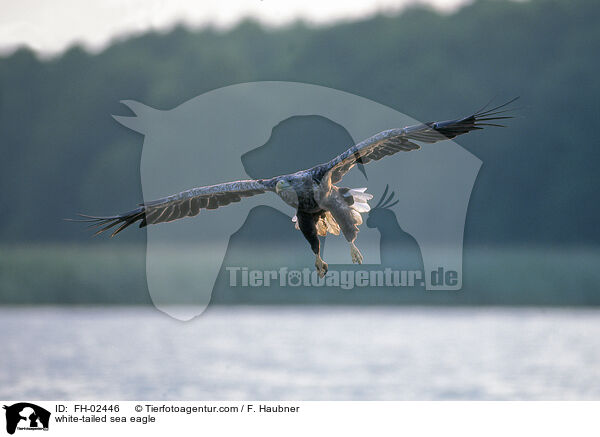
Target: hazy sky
column 51, row 25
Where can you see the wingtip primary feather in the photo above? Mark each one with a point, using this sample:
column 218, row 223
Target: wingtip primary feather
column 483, row 112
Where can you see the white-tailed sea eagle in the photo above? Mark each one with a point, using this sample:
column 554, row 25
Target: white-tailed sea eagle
column 321, row 206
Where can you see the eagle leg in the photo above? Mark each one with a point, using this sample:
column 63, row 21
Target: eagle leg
column 321, row 266
column 357, row 257
column 307, row 222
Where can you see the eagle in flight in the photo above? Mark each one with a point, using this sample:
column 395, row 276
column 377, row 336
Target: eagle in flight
column 321, row 206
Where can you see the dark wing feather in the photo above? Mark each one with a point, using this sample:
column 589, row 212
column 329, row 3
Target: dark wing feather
column 185, row 204
column 391, row 141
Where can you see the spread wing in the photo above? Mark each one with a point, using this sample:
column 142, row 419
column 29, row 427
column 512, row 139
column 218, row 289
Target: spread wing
column 185, row 204
column 391, row 141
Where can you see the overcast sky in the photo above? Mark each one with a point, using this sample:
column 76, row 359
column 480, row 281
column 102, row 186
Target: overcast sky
column 51, row 25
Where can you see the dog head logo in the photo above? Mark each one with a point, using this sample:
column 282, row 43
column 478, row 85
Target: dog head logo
column 26, row 416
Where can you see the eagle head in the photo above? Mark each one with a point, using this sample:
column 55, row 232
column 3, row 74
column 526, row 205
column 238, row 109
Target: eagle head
column 282, row 185
column 286, row 191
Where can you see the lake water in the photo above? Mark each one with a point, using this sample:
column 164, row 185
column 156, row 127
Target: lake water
column 300, row 353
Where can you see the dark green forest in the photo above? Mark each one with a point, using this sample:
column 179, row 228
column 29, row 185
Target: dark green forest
column 63, row 153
